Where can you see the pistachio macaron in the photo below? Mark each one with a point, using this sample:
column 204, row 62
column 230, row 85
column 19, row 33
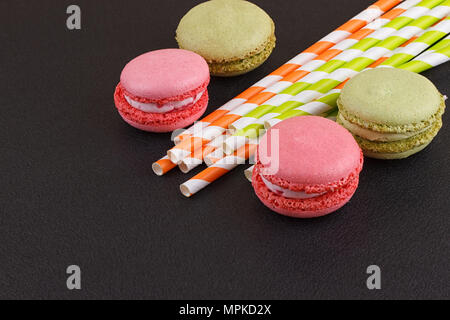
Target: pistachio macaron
column 234, row 36
column 392, row 113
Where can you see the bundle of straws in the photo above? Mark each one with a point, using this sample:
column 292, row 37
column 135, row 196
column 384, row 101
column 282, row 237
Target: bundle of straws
column 410, row 35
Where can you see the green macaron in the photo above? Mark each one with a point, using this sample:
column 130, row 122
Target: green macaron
column 234, row 36
column 392, row 113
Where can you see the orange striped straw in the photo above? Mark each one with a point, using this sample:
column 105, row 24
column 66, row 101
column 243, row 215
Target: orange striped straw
column 163, row 166
column 189, row 142
column 196, row 158
column 213, row 157
column 220, row 168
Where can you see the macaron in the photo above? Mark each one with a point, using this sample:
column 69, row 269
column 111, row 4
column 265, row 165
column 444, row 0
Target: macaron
column 163, row 90
column 234, row 36
column 392, row 113
column 307, row 167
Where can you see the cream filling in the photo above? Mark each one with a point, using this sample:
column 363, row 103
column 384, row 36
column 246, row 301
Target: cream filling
column 377, row 136
column 289, row 193
column 167, row 107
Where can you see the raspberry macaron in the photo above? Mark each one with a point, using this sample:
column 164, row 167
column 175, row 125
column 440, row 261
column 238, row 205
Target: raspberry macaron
column 163, row 90
column 307, row 167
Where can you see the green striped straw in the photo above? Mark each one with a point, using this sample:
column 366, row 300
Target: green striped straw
column 438, row 46
column 349, row 69
column 347, row 55
column 428, row 61
column 425, row 61
column 422, row 43
column 359, row 64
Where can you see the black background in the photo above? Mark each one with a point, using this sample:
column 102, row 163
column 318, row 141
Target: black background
column 77, row 185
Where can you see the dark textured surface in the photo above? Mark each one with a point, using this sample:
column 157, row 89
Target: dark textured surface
column 77, row 186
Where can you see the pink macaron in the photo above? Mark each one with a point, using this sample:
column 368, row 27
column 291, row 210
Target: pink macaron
column 163, row 90
column 307, row 167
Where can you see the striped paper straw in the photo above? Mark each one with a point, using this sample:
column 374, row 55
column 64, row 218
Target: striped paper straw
column 419, row 45
column 313, row 65
column 329, row 101
column 391, row 53
column 213, row 157
column 310, row 87
column 220, row 168
column 357, row 65
column 428, row 61
column 370, row 40
column 192, row 140
column 438, row 46
column 162, row 166
column 195, row 159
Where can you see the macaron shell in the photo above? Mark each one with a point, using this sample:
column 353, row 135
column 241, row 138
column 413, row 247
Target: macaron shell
column 390, row 128
column 395, row 156
column 306, row 208
column 392, row 97
column 401, row 146
column 236, row 68
column 313, row 151
column 225, row 30
column 164, row 74
column 159, row 122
